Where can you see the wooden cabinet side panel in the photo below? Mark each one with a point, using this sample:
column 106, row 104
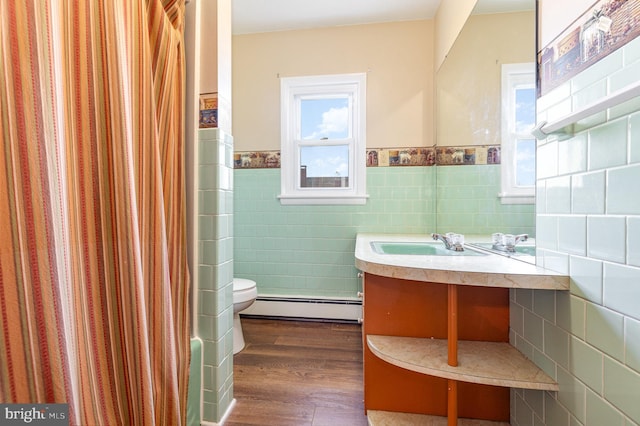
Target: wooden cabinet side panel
column 483, row 402
column 404, row 308
column 483, row 313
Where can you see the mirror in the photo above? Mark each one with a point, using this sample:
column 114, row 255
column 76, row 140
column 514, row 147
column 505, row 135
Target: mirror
column 468, row 120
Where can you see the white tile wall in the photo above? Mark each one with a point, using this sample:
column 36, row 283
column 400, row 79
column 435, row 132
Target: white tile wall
column 632, row 343
column 547, row 232
column 605, row 330
column 572, row 234
column 621, row 388
column 588, row 192
column 622, row 289
column 547, row 163
column 608, row 145
column 586, row 363
column 587, row 224
column 606, row 238
column 572, row 154
column 586, row 278
column 633, row 241
column 558, row 195
column 634, row 138
column 623, row 196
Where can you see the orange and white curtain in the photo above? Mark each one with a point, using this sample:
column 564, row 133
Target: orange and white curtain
column 93, row 271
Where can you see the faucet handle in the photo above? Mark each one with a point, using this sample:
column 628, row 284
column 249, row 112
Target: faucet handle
column 522, row 237
column 508, row 240
column 457, row 239
column 457, row 242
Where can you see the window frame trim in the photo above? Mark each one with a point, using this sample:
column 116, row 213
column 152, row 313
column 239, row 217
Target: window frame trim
column 510, row 78
column 354, row 85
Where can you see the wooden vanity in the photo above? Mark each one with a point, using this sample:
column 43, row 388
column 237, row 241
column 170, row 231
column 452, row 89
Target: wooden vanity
column 436, row 335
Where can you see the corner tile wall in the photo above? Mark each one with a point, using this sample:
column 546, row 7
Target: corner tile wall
column 588, row 225
column 308, row 251
column 215, row 272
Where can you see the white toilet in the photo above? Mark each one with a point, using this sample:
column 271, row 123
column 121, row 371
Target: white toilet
column 244, row 294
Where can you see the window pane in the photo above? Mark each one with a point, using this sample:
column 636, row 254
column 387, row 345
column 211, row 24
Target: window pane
column 326, row 118
column 526, row 162
column 525, row 109
column 324, row 166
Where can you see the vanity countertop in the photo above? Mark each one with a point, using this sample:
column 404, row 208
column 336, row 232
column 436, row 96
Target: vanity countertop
column 491, row 270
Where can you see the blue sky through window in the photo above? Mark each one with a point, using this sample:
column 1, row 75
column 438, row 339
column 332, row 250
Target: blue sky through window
column 525, row 109
column 325, row 119
column 526, row 162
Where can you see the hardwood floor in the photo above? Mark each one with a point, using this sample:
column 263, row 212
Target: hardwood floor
column 298, row 373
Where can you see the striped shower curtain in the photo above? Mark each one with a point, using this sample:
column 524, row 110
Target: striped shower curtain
column 93, row 272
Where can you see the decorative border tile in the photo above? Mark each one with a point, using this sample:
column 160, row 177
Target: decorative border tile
column 468, row 156
column 602, row 29
column 256, row 160
column 394, row 157
column 401, row 157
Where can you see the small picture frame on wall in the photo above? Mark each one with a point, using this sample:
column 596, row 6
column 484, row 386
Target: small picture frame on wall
column 208, row 110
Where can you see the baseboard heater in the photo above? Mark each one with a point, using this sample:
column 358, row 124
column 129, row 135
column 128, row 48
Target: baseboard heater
column 348, row 310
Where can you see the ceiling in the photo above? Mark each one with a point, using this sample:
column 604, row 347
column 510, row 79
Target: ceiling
column 256, row 16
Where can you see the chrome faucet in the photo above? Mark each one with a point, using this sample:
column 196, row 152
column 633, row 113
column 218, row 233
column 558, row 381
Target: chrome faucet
column 507, row 242
column 451, row 241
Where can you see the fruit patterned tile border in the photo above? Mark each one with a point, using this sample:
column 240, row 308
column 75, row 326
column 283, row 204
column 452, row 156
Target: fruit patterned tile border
column 443, row 156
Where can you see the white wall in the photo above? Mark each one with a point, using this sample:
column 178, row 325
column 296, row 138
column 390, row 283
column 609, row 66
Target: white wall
column 398, row 60
column 450, row 18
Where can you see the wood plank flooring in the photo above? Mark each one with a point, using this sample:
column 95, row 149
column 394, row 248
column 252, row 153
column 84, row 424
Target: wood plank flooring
column 298, row 373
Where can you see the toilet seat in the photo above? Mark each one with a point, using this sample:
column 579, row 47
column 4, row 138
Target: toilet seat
column 244, row 290
column 242, row 284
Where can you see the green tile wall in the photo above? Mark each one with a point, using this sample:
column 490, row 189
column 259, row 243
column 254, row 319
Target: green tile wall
column 215, row 270
column 308, row 251
column 586, row 215
column 468, row 203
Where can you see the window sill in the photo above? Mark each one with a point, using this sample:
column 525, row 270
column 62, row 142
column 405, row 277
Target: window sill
column 297, row 200
column 517, row 199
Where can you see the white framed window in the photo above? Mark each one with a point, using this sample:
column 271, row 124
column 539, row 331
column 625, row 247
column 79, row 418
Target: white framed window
column 518, row 163
column 323, row 146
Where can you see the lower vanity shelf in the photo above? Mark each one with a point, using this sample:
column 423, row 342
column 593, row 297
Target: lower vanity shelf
column 488, row 363
column 388, row 418
column 441, row 351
